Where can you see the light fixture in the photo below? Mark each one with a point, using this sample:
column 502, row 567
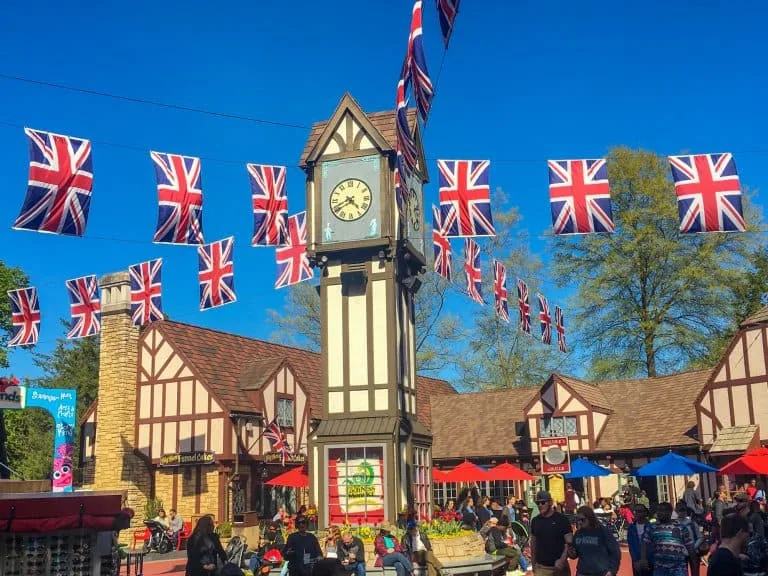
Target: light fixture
column 324, row 259
column 412, row 284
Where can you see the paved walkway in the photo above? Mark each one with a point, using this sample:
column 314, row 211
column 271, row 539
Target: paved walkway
column 177, row 565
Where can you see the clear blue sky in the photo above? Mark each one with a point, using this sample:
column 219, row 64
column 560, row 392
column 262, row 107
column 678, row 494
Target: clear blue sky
column 523, row 81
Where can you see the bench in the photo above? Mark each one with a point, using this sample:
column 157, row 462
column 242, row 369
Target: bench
column 477, row 566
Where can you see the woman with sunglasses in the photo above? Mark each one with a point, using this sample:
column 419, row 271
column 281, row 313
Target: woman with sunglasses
column 594, row 545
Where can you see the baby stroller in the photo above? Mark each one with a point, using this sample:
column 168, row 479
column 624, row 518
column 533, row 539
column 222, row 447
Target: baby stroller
column 235, row 554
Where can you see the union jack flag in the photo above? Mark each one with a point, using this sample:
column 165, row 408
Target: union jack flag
column 406, row 144
column 84, row 307
column 417, row 65
column 441, row 245
column 25, row 316
column 708, row 193
column 270, row 204
column 447, row 11
column 60, row 183
column 525, row 307
column 146, row 292
column 560, row 327
column 277, row 439
column 472, row 270
column 500, row 290
column 545, row 319
column 580, row 196
column 216, row 273
column 180, row 198
column 465, row 197
column 292, row 261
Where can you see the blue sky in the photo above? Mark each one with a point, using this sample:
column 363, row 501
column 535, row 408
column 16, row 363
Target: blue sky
column 522, row 82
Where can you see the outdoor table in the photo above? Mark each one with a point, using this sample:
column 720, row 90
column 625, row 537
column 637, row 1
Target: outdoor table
column 133, row 558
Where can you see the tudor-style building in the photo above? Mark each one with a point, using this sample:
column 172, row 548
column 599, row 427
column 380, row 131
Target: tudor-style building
column 732, row 408
column 186, row 407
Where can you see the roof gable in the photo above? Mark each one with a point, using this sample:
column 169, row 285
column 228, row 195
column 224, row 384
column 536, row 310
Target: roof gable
column 759, row 317
column 587, row 392
column 378, row 126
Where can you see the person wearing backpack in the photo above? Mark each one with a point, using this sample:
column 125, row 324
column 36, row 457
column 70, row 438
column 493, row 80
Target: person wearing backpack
column 594, row 545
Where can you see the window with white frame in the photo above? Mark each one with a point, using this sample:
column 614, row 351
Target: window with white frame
column 558, row 426
column 421, row 483
column 285, row 412
column 444, row 491
column 662, row 487
column 500, row 490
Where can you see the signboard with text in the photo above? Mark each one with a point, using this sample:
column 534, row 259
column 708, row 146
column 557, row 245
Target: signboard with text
column 186, row 459
column 277, row 458
column 555, row 456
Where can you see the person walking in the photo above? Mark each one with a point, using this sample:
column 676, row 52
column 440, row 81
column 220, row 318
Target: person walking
column 204, row 549
column 635, row 541
column 594, row 545
column 418, row 549
column 726, row 559
column 550, row 537
column 668, row 542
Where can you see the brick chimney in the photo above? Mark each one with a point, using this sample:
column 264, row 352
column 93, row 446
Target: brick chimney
column 118, row 466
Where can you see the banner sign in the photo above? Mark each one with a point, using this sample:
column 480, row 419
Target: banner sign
column 555, row 455
column 62, row 405
column 10, row 394
column 186, row 458
column 356, row 485
column 277, row 458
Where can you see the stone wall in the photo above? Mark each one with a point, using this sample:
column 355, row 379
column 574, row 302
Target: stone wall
column 117, row 465
column 446, row 549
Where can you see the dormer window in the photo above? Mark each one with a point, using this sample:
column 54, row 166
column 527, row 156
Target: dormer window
column 558, row 426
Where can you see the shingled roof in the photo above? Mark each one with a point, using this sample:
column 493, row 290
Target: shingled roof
column 384, row 122
column 759, row 317
column 644, row 413
column 227, row 362
column 479, row 424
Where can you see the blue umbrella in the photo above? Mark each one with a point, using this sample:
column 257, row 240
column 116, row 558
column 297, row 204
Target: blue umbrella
column 583, row 468
column 672, row 464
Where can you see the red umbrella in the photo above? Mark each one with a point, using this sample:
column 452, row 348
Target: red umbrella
column 294, row 478
column 439, row 476
column 466, row 472
column 755, row 462
column 507, row 471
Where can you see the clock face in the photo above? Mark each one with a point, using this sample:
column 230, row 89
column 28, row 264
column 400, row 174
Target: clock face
column 350, row 200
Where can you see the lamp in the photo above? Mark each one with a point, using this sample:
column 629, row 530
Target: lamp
column 412, row 284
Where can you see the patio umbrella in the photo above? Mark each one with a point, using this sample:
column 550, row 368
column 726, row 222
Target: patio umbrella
column 466, row 472
column 672, row 464
column 439, row 476
column 754, row 462
column 294, row 478
column 583, row 468
column 507, row 471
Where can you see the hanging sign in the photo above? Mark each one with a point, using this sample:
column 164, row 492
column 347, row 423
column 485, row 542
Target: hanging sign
column 10, row 394
column 186, row 459
column 277, row 458
column 555, row 456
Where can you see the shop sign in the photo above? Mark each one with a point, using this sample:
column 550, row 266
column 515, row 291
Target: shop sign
column 10, row 394
column 187, row 459
column 277, row 458
column 356, row 484
column 555, row 456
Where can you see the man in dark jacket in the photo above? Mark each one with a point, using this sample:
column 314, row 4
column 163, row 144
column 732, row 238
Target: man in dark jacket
column 352, row 553
column 301, row 549
column 418, row 548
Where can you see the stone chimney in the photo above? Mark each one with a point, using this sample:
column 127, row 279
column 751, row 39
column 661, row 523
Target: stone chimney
column 118, row 465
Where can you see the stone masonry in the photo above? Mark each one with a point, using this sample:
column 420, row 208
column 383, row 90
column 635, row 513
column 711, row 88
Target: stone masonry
column 117, row 465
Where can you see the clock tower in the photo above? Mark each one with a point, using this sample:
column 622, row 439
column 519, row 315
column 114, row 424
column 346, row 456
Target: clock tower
column 369, row 458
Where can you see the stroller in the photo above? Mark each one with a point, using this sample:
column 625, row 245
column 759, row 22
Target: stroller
column 235, row 552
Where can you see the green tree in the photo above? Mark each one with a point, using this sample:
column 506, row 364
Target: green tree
column 10, row 279
column 472, row 345
column 649, row 299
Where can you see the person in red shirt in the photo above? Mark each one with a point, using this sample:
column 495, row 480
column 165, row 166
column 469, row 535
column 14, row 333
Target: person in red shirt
column 752, row 489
